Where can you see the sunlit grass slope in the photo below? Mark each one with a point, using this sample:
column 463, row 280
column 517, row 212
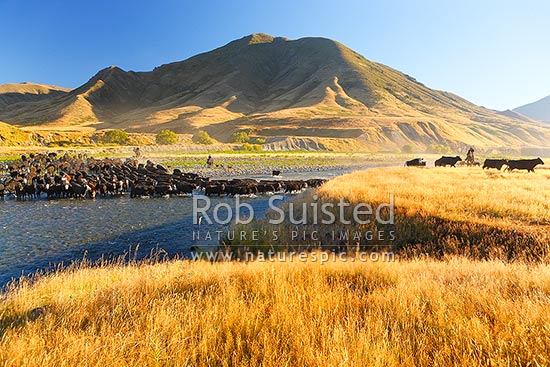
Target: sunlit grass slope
column 467, row 211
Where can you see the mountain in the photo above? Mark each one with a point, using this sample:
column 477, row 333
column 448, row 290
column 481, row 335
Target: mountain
column 516, row 116
column 539, row 110
column 277, row 88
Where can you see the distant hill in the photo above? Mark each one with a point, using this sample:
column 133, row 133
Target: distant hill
column 277, row 88
column 28, row 92
column 539, row 110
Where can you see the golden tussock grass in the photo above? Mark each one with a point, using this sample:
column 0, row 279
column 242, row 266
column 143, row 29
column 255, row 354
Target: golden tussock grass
column 463, row 211
column 461, row 194
column 410, row 313
column 10, row 135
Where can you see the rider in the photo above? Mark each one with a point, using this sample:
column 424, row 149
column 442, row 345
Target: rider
column 470, row 156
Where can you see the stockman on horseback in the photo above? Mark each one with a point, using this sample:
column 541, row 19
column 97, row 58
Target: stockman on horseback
column 470, row 159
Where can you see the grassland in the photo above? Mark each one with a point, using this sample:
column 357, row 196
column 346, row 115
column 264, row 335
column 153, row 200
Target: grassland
column 471, row 287
column 12, row 136
column 409, row 313
column 465, row 194
column 439, row 212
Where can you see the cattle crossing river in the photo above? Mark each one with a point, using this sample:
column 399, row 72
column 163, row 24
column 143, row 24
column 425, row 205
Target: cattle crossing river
column 38, row 234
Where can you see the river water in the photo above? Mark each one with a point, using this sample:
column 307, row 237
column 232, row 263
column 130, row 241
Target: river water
column 36, row 235
column 39, row 234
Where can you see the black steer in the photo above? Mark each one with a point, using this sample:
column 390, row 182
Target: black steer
column 214, row 189
column 524, row 164
column 294, row 186
column 447, row 161
column 184, row 188
column 141, row 190
column 417, row 162
column 315, row 182
column 494, row 163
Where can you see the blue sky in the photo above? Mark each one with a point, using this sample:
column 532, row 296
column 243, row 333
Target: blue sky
column 494, row 53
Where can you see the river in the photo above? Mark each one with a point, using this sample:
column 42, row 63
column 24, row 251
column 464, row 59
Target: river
column 36, row 235
column 40, row 234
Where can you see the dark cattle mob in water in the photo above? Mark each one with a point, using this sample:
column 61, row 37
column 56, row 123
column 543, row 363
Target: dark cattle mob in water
column 511, row 164
column 80, row 176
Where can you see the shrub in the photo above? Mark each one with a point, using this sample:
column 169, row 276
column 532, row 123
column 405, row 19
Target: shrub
column 166, row 137
column 115, row 137
column 251, row 147
column 202, row 137
column 258, row 140
column 240, row 137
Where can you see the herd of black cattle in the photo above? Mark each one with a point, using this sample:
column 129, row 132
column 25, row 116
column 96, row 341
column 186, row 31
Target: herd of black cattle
column 41, row 175
column 511, row 164
column 79, row 176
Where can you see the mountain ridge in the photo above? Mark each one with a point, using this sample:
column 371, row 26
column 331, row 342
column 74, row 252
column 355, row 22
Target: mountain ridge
column 272, row 87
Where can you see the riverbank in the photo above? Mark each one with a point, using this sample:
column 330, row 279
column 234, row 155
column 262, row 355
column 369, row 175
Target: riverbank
column 482, row 214
column 229, row 162
column 438, row 212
